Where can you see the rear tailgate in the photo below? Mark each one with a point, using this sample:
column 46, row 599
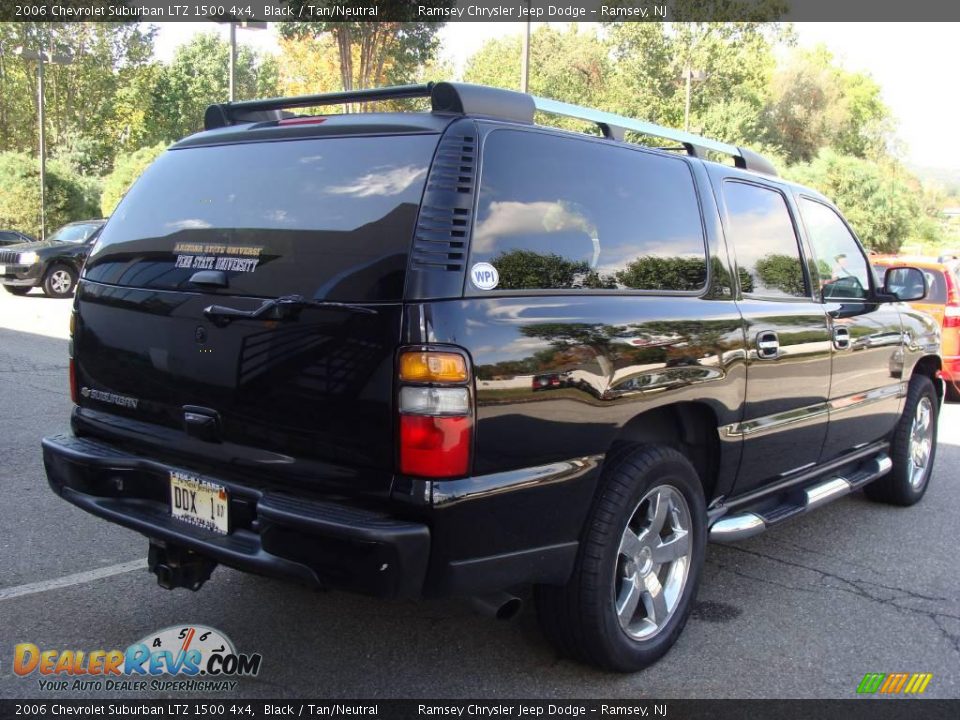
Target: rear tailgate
column 307, row 397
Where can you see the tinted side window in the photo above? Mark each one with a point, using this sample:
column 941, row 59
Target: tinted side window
column 844, row 272
column 765, row 242
column 563, row 213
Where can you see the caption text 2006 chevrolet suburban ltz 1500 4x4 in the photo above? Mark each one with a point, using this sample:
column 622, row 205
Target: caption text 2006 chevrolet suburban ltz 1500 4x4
column 454, row 352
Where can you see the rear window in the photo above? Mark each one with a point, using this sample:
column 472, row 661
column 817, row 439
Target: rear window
column 571, row 214
column 327, row 219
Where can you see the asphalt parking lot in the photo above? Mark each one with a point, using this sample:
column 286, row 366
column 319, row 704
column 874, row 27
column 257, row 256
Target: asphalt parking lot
column 803, row 611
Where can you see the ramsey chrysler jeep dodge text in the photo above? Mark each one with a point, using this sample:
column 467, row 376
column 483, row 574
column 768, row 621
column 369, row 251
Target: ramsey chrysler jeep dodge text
column 456, row 353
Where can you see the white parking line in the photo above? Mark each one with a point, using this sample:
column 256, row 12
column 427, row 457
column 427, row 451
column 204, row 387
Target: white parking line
column 68, row 580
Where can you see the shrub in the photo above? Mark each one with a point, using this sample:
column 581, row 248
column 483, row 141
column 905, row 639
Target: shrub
column 127, row 168
column 69, row 197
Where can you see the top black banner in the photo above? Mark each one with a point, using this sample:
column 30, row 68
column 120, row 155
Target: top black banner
column 853, row 11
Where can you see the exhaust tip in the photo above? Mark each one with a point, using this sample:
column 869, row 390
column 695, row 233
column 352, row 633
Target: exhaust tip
column 500, row 605
column 510, row 609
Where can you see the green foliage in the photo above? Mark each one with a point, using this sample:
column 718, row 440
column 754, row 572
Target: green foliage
column 80, row 107
column 372, row 53
column 68, row 198
column 126, row 170
column 733, row 62
column 520, row 269
column 663, row 273
column 782, row 272
column 199, row 76
column 814, row 104
column 879, row 199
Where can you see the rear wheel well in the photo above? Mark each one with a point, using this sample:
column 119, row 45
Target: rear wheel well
column 929, row 366
column 690, row 428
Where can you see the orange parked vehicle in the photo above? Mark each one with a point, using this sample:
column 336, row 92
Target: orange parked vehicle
column 942, row 302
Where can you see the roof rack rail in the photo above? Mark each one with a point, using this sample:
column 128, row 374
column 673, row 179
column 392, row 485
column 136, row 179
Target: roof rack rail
column 465, row 99
column 456, row 98
column 614, row 126
column 232, row 113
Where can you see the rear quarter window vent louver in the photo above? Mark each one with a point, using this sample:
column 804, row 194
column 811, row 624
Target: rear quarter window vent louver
column 444, row 223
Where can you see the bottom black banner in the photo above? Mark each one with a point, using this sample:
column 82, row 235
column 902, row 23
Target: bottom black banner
column 861, row 709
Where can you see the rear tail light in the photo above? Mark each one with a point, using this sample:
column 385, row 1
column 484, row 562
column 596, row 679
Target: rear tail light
column 951, row 316
column 951, row 313
column 433, row 367
column 436, row 414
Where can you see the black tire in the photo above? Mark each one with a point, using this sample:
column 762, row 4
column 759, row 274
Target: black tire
column 60, row 281
column 901, row 486
column 580, row 618
column 17, row 289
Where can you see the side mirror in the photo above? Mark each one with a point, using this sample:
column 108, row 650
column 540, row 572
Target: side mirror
column 907, row 284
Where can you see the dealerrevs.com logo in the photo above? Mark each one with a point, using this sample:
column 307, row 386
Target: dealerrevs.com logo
column 199, row 658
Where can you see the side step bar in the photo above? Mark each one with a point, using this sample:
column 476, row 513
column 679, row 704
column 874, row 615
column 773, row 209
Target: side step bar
column 747, row 524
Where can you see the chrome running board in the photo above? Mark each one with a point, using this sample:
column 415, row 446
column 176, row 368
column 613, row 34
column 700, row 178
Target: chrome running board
column 729, row 528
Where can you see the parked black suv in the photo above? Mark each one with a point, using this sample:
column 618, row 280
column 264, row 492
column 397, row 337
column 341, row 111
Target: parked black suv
column 313, row 347
column 53, row 265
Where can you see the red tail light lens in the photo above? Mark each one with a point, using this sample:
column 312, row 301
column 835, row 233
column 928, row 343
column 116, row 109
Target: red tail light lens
column 74, row 395
column 951, row 315
column 434, row 446
column 436, row 413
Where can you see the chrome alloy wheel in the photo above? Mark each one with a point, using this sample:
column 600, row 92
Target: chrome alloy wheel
column 921, row 442
column 60, row 282
column 653, row 562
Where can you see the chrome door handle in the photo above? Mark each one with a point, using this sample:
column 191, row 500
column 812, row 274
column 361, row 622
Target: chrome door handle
column 841, row 338
column 768, row 345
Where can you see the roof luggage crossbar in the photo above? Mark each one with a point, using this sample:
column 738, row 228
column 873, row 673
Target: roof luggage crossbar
column 479, row 100
column 231, row 113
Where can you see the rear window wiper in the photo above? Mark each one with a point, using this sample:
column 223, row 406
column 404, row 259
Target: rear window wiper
column 287, row 307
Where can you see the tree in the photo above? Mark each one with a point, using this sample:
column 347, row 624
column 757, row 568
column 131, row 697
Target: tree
column 735, row 61
column 79, row 98
column 663, row 273
column 881, row 200
column 199, row 76
column 782, row 272
column 524, row 269
column 816, row 104
column 371, row 54
column 68, row 198
column 126, row 170
column 572, row 65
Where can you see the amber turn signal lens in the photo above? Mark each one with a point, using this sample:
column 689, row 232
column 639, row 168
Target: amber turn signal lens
column 438, row 367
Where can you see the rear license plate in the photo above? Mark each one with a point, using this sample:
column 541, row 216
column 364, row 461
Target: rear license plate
column 198, row 502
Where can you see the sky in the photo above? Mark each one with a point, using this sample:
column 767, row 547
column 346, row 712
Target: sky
column 912, row 62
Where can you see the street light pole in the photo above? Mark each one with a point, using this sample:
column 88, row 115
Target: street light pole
column 43, row 57
column 232, row 70
column 690, row 75
column 43, row 149
column 233, row 59
column 525, row 57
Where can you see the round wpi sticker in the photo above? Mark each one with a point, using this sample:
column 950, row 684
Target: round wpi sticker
column 484, row 276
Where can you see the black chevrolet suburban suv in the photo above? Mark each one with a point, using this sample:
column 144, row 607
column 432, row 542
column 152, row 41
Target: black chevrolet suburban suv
column 455, row 352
